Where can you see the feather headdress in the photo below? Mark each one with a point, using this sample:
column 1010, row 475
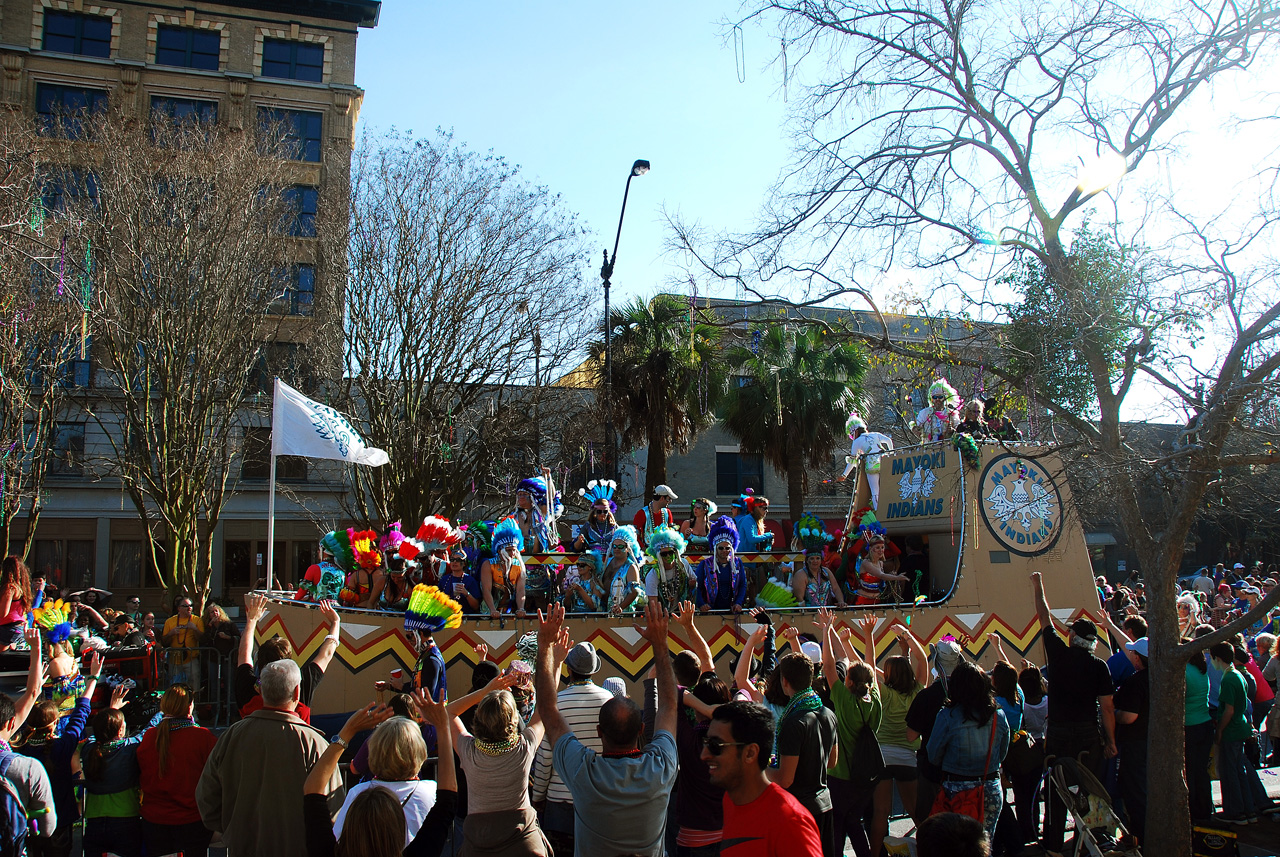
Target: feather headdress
column 391, row 541
column 435, row 534
column 430, row 610
column 869, row 530
column 940, row 387
column 723, row 530
column 507, row 532
column 54, row 620
column 537, row 486
column 479, row 535
column 364, row 548
column 811, row 531
column 665, row 537
column 337, row 543
column 775, row 597
column 600, row 489
column 627, row 533
column 854, row 423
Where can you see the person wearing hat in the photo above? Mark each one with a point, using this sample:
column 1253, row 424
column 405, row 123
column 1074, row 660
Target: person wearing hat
column 999, row 427
column 597, row 532
column 655, row 514
column 722, row 581
column 579, row 702
column 584, row 591
column 753, row 535
column 938, row 420
column 459, row 584
column 921, row 716
column 670, row 581
column 868, row 446
column 1132, row 714
column 697, row 529
column 1082, row 689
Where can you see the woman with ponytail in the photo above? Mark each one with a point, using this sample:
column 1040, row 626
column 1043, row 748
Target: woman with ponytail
column 109, row 761
column 54, row 751
column 15, row 601
column 170, row 759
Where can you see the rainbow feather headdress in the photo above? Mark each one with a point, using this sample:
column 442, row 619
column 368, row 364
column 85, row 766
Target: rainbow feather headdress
column 364, row 548
column 54, row 620
column 869, row 531
column 431, row 610
column 338, row 544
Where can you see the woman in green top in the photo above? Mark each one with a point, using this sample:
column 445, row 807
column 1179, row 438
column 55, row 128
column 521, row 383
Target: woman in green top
column 902, row 678
column 109, row 760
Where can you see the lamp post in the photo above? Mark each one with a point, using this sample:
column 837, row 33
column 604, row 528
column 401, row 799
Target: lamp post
column 639, row 168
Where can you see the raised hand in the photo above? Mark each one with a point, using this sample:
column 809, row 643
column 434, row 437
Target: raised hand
column 255, row 607
column 95, row 664
column 867, row 623
column 684, row 614
column 825, row 618
column 761, row 616
column 365, row 718
column 481, row 650
column 435, row 713
column 118, row 693
column 790, row 633
column 549, row 626
column 330, row 615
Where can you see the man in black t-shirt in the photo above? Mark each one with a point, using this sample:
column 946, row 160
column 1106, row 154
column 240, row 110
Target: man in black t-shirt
column 1133, row 702
column 1079, row 687
column 806, row 746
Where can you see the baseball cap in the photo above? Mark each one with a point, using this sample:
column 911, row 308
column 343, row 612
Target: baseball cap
column 1139, row 645
column 1085, row 629
column 665, row 491
column 813, row 650
column 1237, row 565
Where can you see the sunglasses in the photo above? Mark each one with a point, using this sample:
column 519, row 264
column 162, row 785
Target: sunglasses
column 667, row 554
column 715, row 746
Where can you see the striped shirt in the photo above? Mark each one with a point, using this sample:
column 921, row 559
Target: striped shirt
column 580, row 707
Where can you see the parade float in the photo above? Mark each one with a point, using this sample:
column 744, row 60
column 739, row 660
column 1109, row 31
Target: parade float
column 985, row 515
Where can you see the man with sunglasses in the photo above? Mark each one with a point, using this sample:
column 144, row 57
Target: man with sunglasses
column 761, row 819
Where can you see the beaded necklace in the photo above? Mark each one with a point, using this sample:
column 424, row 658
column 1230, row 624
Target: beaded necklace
column 497, row 748
column 804, row 701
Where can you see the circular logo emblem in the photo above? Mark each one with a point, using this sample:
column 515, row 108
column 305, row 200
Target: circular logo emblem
column 1021, row 504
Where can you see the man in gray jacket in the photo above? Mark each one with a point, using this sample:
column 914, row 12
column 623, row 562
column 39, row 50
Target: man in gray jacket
column 251, row 788
column 28, row 777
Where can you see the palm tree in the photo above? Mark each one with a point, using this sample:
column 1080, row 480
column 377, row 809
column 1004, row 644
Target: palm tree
column 797, row 388
column 667, row 381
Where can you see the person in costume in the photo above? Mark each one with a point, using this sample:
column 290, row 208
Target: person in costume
column 430, row 547
column 460, row 584
column 813, row 584
column 538, row 507
column 655, row 514
column 324, row 580
column 584, row 589
column 697, row 530
column 502, row 576
column 870, row 548
column 753, row 536
column 938, row 420
column 868, row 446
column 63, row 682
column 622, row 572
column 722, row 581
column 671, row 581
column 357, row 590
column 972, row 421
column 429, row 611
column 999, row 426
column 597, row 532
column 391, row 586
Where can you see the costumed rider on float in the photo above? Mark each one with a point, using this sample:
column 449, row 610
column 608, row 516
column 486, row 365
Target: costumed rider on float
column 869, row 552
column 869, row 446
column 502, row 576
column 431, row 545
column 538, row 507
column 938, row 420
column 722, row 581
column 429, row 610
column 391, row 588
column 671, row 582
column 626, row 592
column 597, row 533
column 324, row 580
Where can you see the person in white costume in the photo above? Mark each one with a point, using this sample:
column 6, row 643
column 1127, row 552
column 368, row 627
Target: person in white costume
column 938, row 420
column 868, row 446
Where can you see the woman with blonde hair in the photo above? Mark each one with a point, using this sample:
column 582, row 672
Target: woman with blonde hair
column 500, row 819
column 374, row 824
column 170, row 758
column 397, row 753
column 15, row 601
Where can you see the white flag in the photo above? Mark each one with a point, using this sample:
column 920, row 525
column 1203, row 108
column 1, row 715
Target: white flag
column 300, row 426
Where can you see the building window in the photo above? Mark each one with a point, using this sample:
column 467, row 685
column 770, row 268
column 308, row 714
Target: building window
column 300, row 131
column 68, row 564
column 74, row 33
column 188, row 47
column 738, row 471
column 181, row 111
column 236, row 565
column 294, row 288
column 126, row 564
column 300, row 204
column 293, row 60
column 68, row 449
column 256, row 459
column 68, row 187
column 61, row 110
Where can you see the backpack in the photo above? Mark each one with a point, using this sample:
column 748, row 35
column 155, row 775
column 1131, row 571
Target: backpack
column 13, row 814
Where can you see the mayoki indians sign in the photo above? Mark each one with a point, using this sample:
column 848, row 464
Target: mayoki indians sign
column 1021, row 504
column 916, row 480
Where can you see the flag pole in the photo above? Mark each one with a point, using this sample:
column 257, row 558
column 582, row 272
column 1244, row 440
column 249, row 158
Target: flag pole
column 271, row 497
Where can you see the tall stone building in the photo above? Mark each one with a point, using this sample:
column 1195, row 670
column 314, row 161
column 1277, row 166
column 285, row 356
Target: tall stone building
column 287, row 64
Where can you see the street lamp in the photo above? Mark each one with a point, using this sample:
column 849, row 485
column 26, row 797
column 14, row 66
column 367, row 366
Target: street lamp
column 639, row 168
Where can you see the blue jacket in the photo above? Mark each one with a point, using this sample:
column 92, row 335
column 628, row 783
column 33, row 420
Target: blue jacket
column 55, row 755
column 730, row 583
column 122, row 771
column 748, row 540
column 959, row 746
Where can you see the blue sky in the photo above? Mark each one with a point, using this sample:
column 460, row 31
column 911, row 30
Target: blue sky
column 574, row 92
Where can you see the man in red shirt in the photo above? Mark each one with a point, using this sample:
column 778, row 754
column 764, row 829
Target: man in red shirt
column 761, row 819
column 655, row 514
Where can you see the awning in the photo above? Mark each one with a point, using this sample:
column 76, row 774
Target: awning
column 1099, row 539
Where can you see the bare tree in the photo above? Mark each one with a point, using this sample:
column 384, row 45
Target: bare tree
column 930, row 131
column 465, row 301
column 186, row 226
column 41, row 349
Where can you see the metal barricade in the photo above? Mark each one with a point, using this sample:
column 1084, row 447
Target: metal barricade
column 209, row 674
